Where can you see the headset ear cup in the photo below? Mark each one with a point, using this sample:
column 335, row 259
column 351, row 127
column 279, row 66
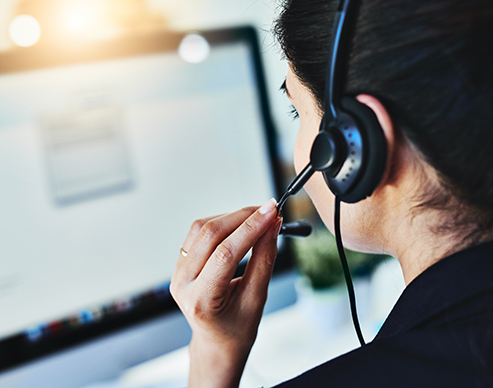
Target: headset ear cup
column 375, row 151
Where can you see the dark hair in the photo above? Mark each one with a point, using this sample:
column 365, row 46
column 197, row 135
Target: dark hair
column 430, row 65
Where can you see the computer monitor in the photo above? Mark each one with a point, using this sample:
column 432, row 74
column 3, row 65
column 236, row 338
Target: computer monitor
column 108, row 153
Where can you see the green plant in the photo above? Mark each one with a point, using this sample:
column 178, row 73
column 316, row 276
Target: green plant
column 317, row 258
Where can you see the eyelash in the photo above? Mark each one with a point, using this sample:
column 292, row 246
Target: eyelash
column 293, row 112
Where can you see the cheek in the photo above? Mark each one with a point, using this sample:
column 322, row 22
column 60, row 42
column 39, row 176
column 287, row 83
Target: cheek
column 322, row 199
column 300, row 153
column 355, row 232
column 303, row 145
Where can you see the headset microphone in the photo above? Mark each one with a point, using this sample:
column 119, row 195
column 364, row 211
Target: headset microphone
column 296, row 229
column 326, row 155
column 350, row 149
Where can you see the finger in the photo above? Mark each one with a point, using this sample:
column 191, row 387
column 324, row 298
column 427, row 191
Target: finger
column 210, row 236
column 219, row 270
column 195, row 230
column 183, row 260
column 260, row 266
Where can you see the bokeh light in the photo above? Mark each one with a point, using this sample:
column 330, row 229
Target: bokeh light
column 24, row 31
column 194, row 48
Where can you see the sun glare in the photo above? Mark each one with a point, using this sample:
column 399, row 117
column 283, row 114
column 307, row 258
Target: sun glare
column 79, row 16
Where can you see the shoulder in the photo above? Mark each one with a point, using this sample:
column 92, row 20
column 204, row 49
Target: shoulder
column 455, row 353
column 440, row 333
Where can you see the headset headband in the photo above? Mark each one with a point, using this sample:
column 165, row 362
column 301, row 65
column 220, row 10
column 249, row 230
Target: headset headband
column 339, row 46
column 333, row 85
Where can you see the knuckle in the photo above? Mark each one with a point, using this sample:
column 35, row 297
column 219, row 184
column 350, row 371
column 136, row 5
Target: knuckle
column 224, row 254
column 249, row 209
column 210, row 230
column 197, row 226
column 270, row 260
column 174, row 287
column 250, row 226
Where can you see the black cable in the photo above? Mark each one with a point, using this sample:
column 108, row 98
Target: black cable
column 345, row 267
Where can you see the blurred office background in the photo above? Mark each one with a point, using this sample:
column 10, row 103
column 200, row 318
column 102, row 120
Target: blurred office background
column 298, row 336
column 76, row 22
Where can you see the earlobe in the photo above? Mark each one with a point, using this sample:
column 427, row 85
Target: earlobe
column 385, row 122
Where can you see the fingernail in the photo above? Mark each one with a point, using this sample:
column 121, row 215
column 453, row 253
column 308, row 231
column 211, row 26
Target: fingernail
column 277, row 228
column 268, row 206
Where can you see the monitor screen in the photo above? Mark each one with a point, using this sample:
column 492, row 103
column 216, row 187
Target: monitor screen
column 104, row 165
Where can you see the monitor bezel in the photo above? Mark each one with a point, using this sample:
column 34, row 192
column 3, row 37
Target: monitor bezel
column 16, row 350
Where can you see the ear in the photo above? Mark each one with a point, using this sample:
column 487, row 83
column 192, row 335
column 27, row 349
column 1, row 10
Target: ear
column 385, row 121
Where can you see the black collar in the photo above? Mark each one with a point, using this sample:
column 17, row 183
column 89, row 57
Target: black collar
column 445, row 283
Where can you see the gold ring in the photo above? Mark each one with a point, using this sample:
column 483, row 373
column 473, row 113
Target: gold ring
column 183, row 252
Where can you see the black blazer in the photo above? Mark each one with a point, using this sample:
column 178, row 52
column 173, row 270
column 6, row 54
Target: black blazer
column 439, row 333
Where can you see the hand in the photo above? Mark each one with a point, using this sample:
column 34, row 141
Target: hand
column 224, row 313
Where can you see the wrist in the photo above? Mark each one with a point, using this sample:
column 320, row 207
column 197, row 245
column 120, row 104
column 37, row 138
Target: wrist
column 216, row 364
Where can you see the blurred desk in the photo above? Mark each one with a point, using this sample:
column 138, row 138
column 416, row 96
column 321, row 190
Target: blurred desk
column 290, row 341
column 286, row 346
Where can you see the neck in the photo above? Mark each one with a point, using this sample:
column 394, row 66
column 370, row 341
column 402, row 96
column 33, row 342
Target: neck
column 412, row 233
column 417, row 247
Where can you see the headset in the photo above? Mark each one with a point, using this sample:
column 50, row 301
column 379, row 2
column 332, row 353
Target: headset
column 350, row 149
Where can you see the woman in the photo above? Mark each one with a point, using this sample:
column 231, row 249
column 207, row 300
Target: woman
column 424, row 70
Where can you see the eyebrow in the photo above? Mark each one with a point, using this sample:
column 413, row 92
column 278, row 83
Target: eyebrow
column 284, row 88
